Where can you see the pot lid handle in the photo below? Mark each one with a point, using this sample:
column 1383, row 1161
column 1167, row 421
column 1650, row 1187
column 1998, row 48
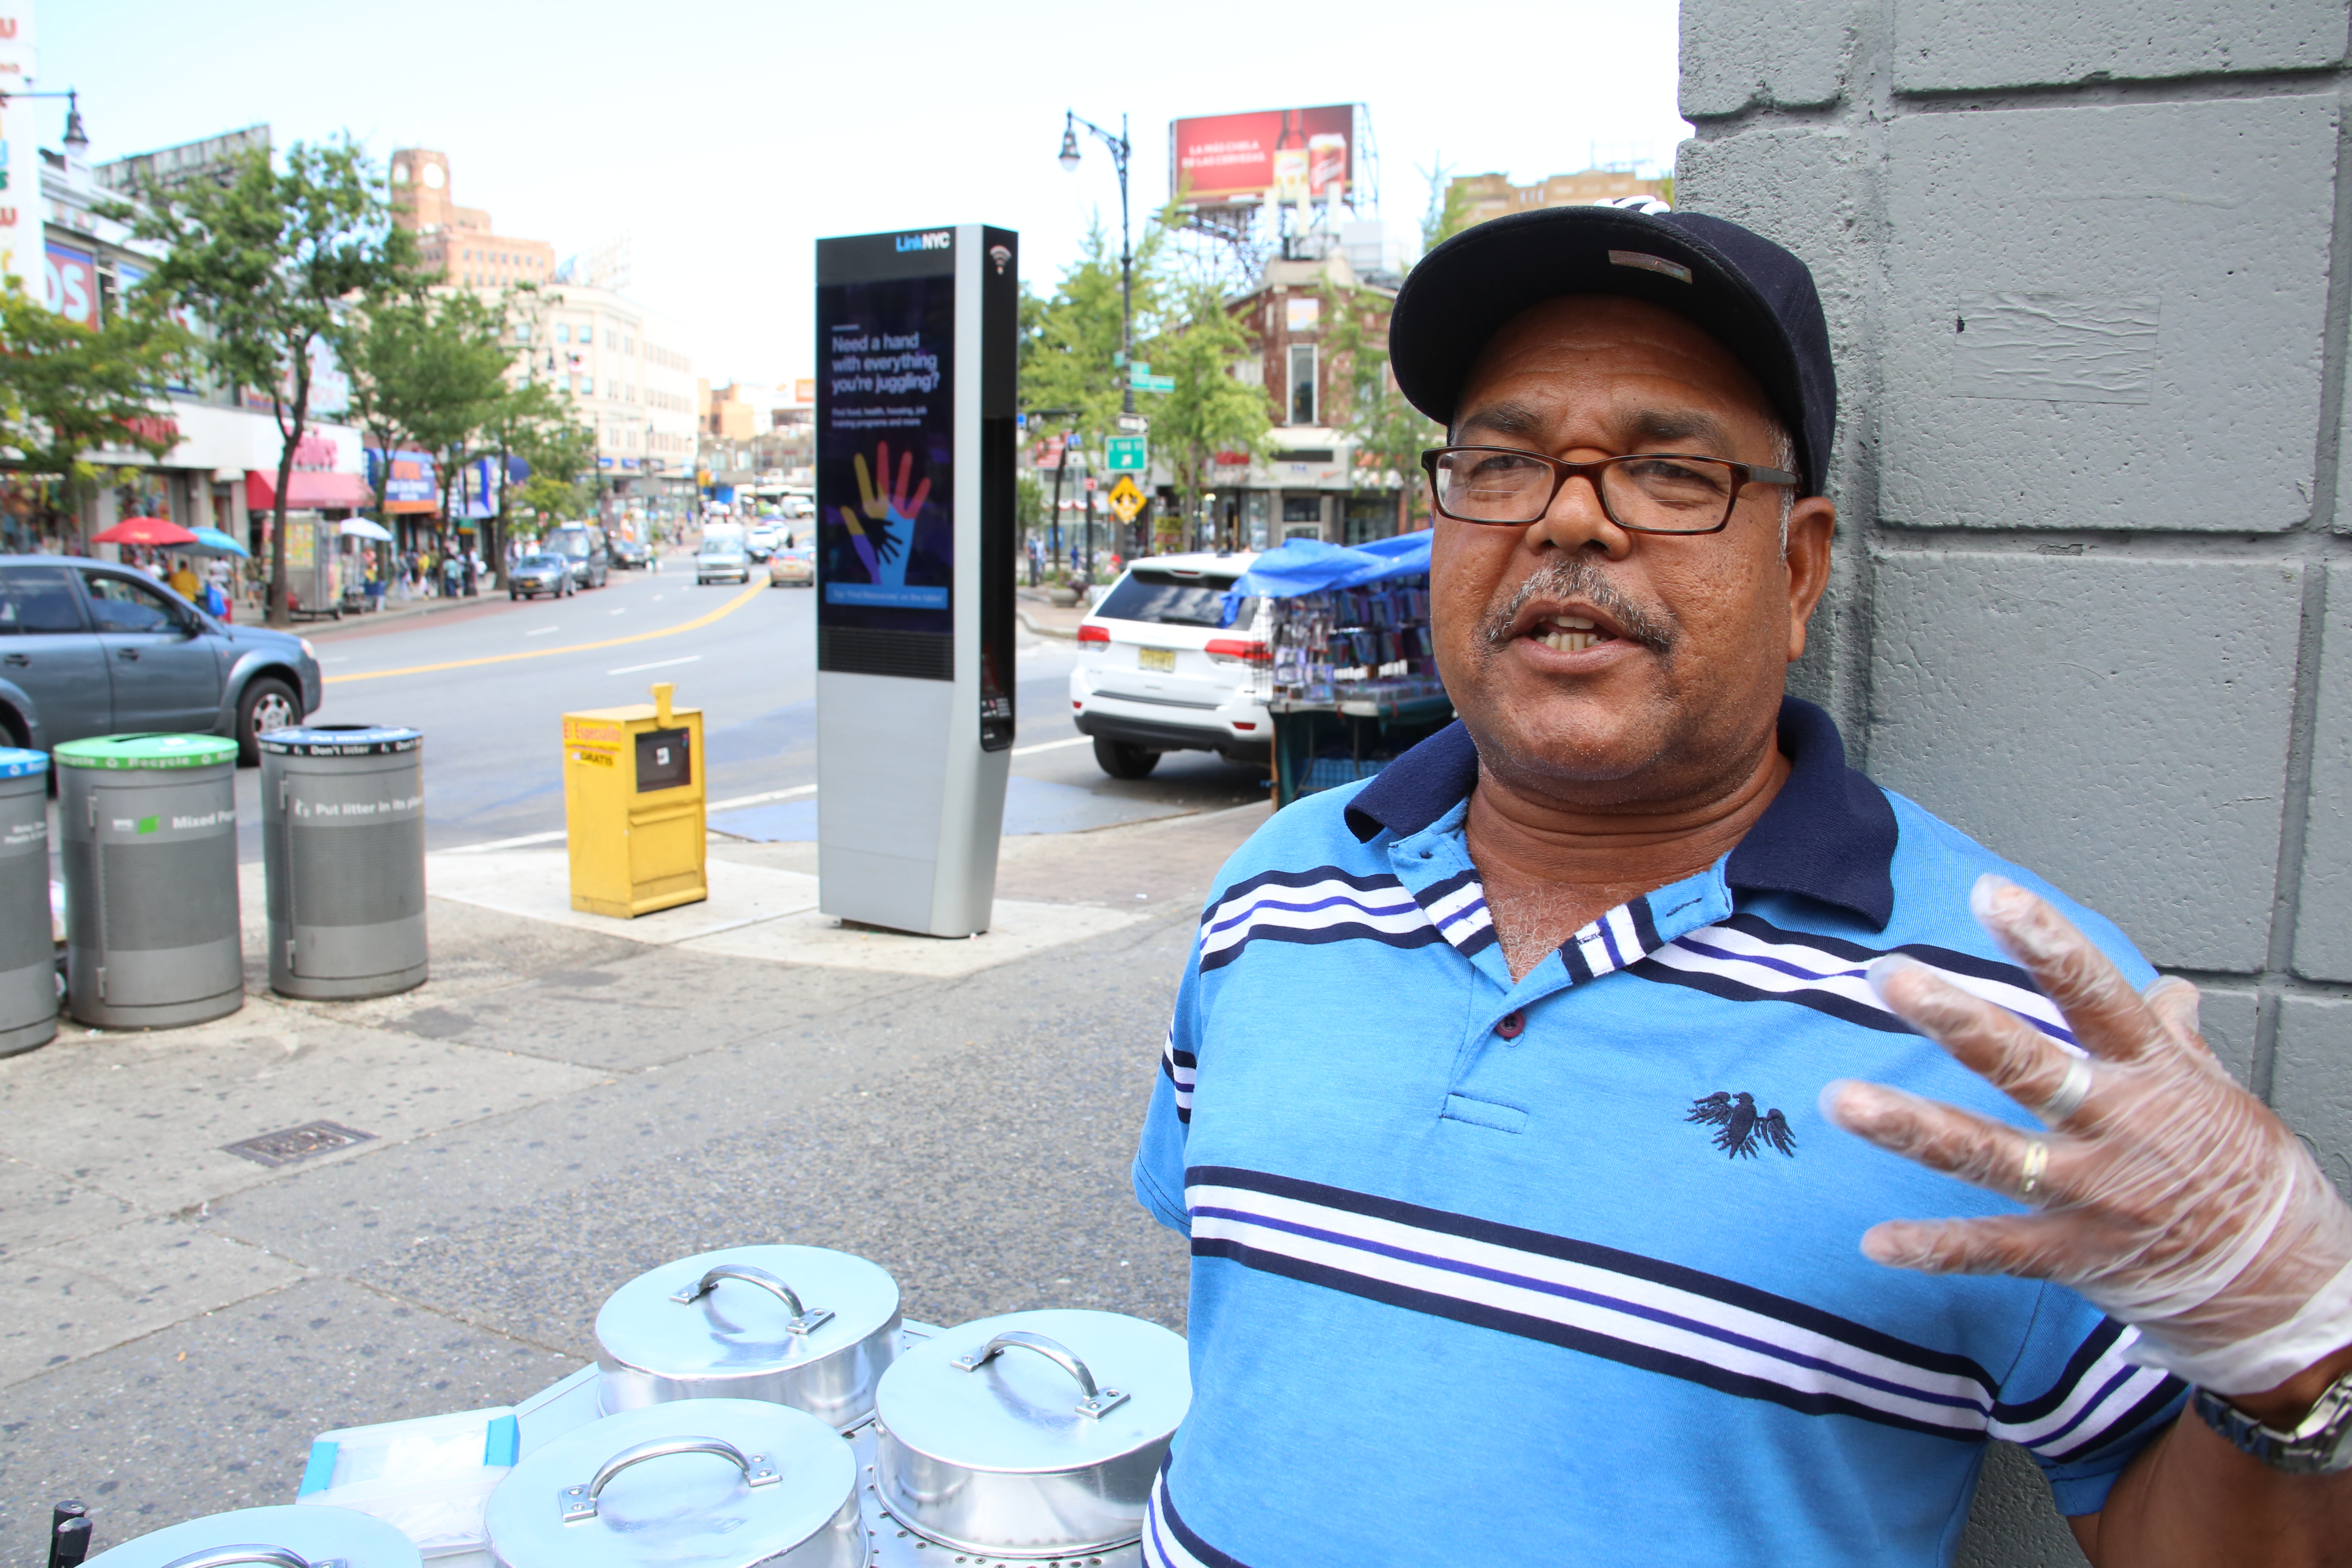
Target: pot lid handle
column 805, row 1320
column 577, row 1503
column 1097, row 1402
column 272, row 1556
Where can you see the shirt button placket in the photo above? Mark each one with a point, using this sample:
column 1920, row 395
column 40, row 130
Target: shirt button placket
column 1513, row 1023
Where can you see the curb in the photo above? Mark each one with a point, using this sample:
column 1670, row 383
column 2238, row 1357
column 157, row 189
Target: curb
column 1068, row 635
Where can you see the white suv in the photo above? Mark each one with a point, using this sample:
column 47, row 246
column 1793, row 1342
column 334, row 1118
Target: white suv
column 1157, row 672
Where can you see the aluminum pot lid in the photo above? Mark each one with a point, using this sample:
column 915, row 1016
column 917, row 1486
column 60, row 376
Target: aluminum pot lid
column 739, row 1325
column 312, row 1533
column 695, row 1483
column 1023, row 1408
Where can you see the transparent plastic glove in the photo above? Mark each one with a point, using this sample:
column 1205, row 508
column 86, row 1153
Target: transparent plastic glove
column 2168, row 1195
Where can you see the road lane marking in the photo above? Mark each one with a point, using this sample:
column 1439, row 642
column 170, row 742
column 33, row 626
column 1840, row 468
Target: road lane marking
column 744, row 800
column 729, row 607
column 621, row 612
column 525, row 841
column 657, row 663
column 1053, row 746
column 543, row 631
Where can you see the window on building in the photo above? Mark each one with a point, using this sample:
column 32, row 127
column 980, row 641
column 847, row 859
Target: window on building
column 1302, row 384
column 563, row 332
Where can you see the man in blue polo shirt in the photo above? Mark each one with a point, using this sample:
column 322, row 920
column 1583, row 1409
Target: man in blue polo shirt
column 1505, row 1101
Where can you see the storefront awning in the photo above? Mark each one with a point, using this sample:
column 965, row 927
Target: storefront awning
column 307, row 491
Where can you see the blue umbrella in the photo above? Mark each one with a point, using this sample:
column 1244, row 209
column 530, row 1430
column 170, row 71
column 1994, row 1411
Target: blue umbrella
column 219, row 544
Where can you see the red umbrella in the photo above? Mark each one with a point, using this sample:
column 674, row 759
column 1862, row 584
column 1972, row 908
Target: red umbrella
column 144, row 530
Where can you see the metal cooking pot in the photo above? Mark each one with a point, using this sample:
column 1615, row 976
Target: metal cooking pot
column 309, row 1536
column 803, row 1326
column 694, row 1483
column 1030, row 1435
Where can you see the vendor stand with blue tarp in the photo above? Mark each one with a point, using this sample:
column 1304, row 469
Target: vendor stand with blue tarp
column 1350, row 677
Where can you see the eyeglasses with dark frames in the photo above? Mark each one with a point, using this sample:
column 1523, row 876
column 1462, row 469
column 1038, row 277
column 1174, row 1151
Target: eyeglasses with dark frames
column 1641, row 493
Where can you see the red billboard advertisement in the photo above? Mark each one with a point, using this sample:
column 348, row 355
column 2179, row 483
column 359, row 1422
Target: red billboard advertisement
column 71, row 281
column 1300, row 155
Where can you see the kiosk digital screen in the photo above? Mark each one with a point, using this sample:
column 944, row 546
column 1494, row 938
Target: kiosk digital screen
column 885, row 438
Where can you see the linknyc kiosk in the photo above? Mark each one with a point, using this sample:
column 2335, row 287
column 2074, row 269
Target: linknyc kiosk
column 916, row 340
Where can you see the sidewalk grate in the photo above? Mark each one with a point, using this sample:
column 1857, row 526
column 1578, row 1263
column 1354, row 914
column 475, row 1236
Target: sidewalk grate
column 313, row 1138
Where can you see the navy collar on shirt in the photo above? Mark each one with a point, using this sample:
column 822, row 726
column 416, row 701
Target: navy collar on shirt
column 1828, row 835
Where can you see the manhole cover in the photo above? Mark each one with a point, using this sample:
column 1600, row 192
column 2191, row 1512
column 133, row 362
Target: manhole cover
column 297, row 1144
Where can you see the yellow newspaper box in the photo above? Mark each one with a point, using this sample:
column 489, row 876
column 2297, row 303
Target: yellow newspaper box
column 632, row 807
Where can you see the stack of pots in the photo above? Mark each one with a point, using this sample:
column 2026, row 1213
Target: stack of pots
column 729, row 1381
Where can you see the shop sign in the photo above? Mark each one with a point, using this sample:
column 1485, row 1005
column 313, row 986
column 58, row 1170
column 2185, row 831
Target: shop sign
column 70, row 280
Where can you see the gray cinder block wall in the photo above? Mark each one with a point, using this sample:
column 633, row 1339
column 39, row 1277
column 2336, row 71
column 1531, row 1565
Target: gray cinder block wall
column 2087, row 264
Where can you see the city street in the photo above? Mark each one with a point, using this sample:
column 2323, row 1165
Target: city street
column 486, row 683
column 572, row 1100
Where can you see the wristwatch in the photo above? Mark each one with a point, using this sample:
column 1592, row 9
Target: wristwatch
column 2320, row 1445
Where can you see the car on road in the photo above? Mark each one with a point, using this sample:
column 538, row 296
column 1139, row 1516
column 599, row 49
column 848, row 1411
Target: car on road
column 1158, row 671
column 629, row 553
column 584, row 545
column 721, row 558
column 761, row 541
column 793, row 566
column 540, row 571
column 90, row 649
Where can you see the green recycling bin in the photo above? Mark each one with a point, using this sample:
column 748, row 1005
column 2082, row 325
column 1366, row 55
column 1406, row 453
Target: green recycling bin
column 28, row 968
column 152, row 939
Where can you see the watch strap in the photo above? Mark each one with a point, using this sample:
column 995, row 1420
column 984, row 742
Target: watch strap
column 2320, row 1444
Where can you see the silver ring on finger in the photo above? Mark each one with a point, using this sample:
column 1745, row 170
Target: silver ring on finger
column 2037, row 1160
column 2072, row 1090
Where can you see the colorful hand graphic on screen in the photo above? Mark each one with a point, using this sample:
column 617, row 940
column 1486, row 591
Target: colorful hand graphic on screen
column 885, row 539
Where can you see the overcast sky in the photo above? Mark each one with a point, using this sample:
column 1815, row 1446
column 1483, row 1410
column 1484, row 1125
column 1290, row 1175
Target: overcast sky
column 723, row 138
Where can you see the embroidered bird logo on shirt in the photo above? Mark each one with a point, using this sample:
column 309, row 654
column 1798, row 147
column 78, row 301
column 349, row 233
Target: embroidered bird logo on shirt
column 1741, row 1127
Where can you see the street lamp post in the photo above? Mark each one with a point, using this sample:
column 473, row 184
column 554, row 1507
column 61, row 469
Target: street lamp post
column 1119, row 149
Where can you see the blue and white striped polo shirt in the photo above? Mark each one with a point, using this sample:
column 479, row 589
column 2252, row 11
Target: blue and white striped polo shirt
column 1568, row 1270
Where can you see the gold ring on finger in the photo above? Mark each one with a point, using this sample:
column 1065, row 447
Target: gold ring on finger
column 2037, row 1158
column 2071, row 1090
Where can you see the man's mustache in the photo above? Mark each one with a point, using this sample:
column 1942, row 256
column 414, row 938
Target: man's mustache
column 1575, row 578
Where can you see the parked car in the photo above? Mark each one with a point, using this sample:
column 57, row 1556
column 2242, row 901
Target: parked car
column 90, row 649
column 628, row 552
column 1159, row 672
column 721, row 558
column 584, row 545
column 793, row 566
column 541, row 571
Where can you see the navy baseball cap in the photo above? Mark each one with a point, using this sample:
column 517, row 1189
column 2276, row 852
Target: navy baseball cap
column 1750, row 294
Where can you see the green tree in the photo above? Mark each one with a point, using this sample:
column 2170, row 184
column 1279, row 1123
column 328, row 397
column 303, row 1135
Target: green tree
column 66, row 389
column 1210, row 411
column 537, row 423
column 1387, row 434
column 266, row 259
column 1070, row 340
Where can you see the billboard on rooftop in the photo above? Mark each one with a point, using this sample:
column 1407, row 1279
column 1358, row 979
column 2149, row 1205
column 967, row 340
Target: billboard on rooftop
column 1294, row 155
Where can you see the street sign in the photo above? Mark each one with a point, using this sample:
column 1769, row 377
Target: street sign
column 1132, row 423
column 1125, row 501
column 1128, row 453
column 1090, row 481
column 1141, row 380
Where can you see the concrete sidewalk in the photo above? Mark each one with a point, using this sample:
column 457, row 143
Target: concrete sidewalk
column 567, row 1102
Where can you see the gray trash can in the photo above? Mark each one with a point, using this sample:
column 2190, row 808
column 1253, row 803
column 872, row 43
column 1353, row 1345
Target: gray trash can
column 342, row 814
column 28, row 968
column 151, row 933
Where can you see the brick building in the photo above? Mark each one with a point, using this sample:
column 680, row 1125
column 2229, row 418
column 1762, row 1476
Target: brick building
column 459, row 242
column 1494, row 195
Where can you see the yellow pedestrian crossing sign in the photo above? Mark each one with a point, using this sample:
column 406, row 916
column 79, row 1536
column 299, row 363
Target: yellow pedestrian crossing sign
column 1125, row 501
